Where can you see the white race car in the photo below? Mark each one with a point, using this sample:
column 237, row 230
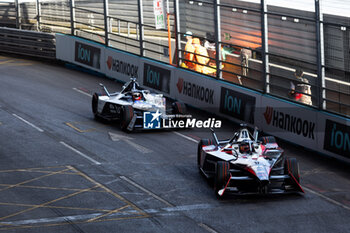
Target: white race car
column 129, row 105
column 246, row 165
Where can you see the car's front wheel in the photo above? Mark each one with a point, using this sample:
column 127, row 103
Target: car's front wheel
column 201, row 143
column 291, row 167
column 222, row 176
column 126, row 116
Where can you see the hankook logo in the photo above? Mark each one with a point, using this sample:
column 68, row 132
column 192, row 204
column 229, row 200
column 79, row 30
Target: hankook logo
column 290, row 123
column 122, row 67
column 195, row 91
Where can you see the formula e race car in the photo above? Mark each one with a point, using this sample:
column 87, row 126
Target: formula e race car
column 246, row 165
column 129, row 105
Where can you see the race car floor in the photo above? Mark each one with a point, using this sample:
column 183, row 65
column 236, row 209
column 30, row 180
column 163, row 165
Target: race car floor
column 62, row 171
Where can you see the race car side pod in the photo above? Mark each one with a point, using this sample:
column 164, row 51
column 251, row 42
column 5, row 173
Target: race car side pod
column 105, row 89
column 295, row 180
column 221, row 191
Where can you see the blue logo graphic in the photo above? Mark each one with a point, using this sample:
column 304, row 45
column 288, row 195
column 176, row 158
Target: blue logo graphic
column 151, row 120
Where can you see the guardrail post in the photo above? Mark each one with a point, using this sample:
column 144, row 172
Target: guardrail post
column 320, row 57
column 38, row 14
column 106, row 19
column 18, row 14
column 72, row 17
column 265, row 46
column 177, row 30
column 218, row 38
column 140, row 8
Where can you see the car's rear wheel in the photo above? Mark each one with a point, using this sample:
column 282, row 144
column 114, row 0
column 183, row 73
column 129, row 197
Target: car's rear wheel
column 126, row 116
column 94, row 105
column 268, row 139
column 201, row 143
column 222, row 176
column 179, row 108
column 291, row 167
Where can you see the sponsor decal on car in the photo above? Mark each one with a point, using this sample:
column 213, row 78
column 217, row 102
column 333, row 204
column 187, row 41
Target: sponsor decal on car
column 122, row 67
column 156, row 78
column 337, row 138
column 87, row 55
column 237, row 105
column 195, row 91
column 153, row 120
column 289, row 122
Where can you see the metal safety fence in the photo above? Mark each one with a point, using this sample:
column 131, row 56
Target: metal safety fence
column 298, row 51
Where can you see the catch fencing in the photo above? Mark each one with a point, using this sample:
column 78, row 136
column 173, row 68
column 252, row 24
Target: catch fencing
column 280, row 37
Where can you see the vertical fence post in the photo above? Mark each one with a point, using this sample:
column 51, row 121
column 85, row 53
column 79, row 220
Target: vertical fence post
column 218, row 38
column 140, row 8
column 38, row 14
column 177, row 32
column 106, row 21
column 320, row 56
column 18, row 14
column 265, row 46
column 72, row 17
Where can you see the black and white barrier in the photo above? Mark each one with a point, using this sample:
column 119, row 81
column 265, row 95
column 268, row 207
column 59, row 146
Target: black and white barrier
column 316, row 130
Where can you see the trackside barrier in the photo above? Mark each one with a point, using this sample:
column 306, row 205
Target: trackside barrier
column 31, row 43
column 319, row 131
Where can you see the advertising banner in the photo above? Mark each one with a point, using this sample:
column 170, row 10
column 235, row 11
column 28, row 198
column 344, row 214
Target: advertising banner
column 121, row 66
column 289, row 121
column 87, row 55
column 157, row 76
column 196, row 90
column 335, row 135
column 159, row 14
column 238, row 105
column 79, row 51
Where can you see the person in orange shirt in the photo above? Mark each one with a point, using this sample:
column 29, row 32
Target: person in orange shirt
column 189, row 50
column 201, row 56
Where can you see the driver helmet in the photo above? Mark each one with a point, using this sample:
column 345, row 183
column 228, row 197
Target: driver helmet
column 244, row 148
column 136, row 96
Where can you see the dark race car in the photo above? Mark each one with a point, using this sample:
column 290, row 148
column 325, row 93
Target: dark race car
column 129, row 105
column 246, row 165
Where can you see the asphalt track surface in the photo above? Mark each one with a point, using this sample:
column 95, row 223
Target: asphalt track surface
column 62, row 171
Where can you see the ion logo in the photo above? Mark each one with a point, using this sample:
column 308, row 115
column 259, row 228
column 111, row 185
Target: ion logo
column 237, row 105
column 337, row 138
column 156, row 78
column 195, row 91
column 151, row 120
column 87, row 55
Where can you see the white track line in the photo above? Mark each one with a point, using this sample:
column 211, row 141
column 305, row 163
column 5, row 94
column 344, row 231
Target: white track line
column 28, row 123
column 327, row 198
column 80, row 153
column 206, row 227
column 184, row 136
column 82, row 92
column 146, row 191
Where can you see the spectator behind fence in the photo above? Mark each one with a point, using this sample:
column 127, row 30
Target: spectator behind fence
column 201, row 57
column 189, row 50
column 246, row 54
column 302, row 90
